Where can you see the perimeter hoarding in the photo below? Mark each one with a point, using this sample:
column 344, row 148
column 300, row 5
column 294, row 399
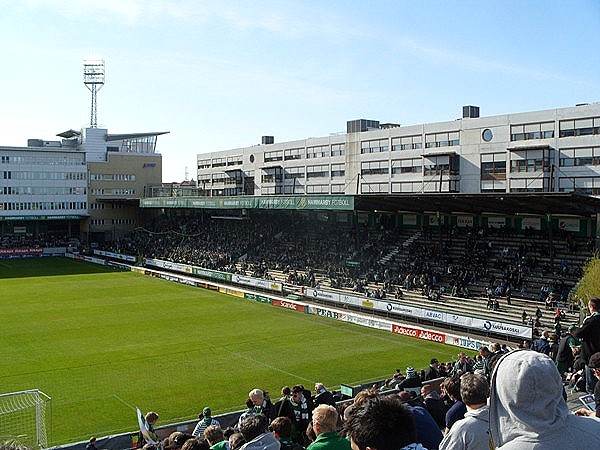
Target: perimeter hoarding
column 489, row 325
column 297, row 202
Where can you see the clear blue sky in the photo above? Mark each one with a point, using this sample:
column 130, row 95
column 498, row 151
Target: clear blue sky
column 220, row 74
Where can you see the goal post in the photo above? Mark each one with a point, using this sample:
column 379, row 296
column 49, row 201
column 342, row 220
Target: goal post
column 26, row 418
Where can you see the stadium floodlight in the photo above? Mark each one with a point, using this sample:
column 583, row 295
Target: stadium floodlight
column 26, row 417
column 93, row 78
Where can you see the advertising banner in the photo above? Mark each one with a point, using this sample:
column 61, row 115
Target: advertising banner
column 297, row 202
column 481, row 324
column 256, row 282
column 289, row 305
column 115, row 255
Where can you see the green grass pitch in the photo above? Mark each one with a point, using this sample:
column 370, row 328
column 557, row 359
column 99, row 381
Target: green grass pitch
column 100, row 342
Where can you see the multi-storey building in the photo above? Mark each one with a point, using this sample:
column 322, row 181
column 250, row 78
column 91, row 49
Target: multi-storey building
column 87, row 185
column 554, row 150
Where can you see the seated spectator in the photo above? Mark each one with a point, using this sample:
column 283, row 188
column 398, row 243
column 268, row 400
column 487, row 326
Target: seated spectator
column 527, row 408
column 433, row 371
column 428, row 432
column 472, row 431
column 324, row 422
column 282, row 430
column 302, row 414
column 411, row 380
column 257, row 437
column 594, row 365
column 381, row 423
column 195, row 444
column 462, row 366
column 215, row 437
column 542, row 345
column 457, row 410
column 323, row 396
column 205, row 421
column 283, row 406
column 236, row 440
column 434, row 404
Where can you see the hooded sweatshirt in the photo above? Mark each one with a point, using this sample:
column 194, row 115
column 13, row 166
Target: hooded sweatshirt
column 527, row 409
column 265, row 441
column 471, row 433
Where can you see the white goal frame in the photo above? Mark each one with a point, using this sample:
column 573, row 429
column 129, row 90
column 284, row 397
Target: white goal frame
column 26, row 418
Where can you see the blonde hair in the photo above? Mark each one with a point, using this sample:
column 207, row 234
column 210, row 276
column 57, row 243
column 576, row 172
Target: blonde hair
column 326, row 416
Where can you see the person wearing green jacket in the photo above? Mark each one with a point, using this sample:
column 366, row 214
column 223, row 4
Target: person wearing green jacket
column 324, row 421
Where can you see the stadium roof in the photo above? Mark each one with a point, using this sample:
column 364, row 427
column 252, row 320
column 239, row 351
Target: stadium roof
column 117, row 137
column 563, row 203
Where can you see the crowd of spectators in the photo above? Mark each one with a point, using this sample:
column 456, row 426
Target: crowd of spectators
column 515, row 398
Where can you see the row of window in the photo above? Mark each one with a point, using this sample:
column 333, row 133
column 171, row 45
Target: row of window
column 112, row 222
column 33, row 190
column 235, row 160
column 112, row 177
column 524, row 132
column 43, row 206
column 46, row 160
column 116, row 191
column 18, row 175
column 580, row 127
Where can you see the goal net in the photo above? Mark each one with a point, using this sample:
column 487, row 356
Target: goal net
column 25, row 418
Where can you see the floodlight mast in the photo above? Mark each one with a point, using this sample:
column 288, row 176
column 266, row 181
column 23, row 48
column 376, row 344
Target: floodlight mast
column 93, row 78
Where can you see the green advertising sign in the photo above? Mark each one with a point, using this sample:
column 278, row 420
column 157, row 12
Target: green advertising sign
column 211, row 274
column 298, row 202
column 258, row 298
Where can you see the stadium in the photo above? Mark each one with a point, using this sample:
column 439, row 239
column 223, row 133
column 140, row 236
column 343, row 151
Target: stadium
column 332, row 260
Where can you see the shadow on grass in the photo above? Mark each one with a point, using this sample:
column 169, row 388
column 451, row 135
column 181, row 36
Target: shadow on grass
column 48, row 266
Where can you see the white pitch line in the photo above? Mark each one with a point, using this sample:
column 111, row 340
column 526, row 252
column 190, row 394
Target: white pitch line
column 249, row 358
column 124, row 402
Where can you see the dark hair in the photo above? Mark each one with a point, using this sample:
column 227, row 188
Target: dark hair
column 254, row 426
column 451, row 386
column 474, row 389
column 196, row 444
column 381, row 422
column 297, row 388
column 282, row 426
column 236, row 440
column 595, row 302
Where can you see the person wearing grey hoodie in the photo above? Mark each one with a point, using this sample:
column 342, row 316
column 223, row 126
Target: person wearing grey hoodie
column 471, row 433
column 527, row 408
column 256, row 434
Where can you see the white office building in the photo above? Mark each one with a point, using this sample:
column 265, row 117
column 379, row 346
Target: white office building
column 555, row 150
column 87, row 185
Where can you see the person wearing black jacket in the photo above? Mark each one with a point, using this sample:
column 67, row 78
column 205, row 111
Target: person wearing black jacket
column 323, row 396
column 589, row 333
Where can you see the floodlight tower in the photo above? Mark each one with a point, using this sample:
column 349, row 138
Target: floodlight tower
column 93, row 78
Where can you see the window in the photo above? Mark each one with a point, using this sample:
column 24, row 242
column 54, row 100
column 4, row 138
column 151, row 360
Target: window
column 293, row 153
column 579, row 127
column 374, row 168
column 274, row 156
column 493, row 166
column 338, row 149
column 407, row 143
column 204, row 164
column 337, row 170
column 410, row 165
column 442, row 139
column 525, row 132
column 375, row 146
column 234, row 160
column 530, row 161
column 317, row 172
column 292, row 173
column 219, row 162
column 319, row 151
column 584, row 156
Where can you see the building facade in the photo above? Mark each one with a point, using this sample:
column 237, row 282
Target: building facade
column 554, row 150
column 86, row 186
